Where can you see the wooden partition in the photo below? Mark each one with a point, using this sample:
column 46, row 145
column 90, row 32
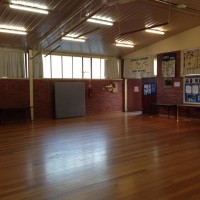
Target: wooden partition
column 149, row 94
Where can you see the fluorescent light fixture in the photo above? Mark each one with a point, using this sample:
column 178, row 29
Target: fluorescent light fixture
column 75, row 39
column 28, row 6
column 155, row 31
column 124, row 44
column 101, row 20
column 13, row 29
column 182, row 6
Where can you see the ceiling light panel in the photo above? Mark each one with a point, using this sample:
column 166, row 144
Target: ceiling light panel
column 13, row 29
column 155, row 31
column 124, row 44
column 28, row 6
column 101, row 20
column 73, row 38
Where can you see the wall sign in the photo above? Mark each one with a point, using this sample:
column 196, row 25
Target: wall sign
column 138, row 67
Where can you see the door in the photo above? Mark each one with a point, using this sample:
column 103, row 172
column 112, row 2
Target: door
column 134, row 95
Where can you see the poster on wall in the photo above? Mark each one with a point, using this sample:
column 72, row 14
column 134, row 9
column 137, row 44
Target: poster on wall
column 149, row 88
column 139, row 67
column 191, row 58
column 168, row 65
column 192, row 89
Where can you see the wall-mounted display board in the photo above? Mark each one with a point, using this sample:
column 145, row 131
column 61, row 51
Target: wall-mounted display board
column 138, row 67
column 168, row 64
column 191, row 58
column 191, row 89
column 149, row 88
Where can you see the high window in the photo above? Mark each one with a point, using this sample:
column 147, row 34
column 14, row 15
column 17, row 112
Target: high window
column 73, row 67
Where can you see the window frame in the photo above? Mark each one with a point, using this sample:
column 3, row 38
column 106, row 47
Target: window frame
column 101, row 76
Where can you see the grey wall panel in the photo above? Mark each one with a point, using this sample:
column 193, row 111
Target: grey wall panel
column 69, row 99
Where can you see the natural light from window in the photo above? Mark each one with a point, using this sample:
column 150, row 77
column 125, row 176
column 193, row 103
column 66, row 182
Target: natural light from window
column 155, row 66
column 67, row 66
column 77, row 67
column 96, row 68
column 86, row 68
column 73, row 67
column 56, row 66
column 102, row 69
column 46, row 66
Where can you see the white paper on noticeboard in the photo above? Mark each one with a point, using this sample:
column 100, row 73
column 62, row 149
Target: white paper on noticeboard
column 195, row 89
column 188, row 89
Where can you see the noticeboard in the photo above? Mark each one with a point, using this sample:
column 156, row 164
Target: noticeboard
column 192, row 89
column 150, row 89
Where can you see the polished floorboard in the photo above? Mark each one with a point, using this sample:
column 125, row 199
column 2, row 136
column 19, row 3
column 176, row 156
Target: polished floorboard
column 117, row 156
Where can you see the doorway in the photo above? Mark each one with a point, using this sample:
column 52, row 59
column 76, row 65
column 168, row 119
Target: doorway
column 134, row 95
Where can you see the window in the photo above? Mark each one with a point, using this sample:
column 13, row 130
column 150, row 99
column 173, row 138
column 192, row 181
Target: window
column 46, row 67
column 77, row 67
column 87, row 68
column 67, row 66
column 96, row 68
column 155, row 65
column 103, row 69
column 56, row 66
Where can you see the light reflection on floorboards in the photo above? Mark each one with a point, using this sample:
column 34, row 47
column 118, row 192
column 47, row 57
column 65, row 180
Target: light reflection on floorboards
column 117, row 156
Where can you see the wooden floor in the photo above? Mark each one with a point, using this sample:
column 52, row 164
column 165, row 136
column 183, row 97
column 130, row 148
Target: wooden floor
column 118, row 156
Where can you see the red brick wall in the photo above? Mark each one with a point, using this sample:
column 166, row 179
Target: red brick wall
column 43, row 92
column 173, row 95
column 101, row 101
column 14, row 92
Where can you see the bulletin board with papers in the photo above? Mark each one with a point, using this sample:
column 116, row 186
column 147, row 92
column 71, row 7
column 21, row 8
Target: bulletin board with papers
column 150, row 88
column 192, row 89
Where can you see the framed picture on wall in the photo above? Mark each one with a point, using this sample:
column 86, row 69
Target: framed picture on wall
column 168, row 82
column 168, row 65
